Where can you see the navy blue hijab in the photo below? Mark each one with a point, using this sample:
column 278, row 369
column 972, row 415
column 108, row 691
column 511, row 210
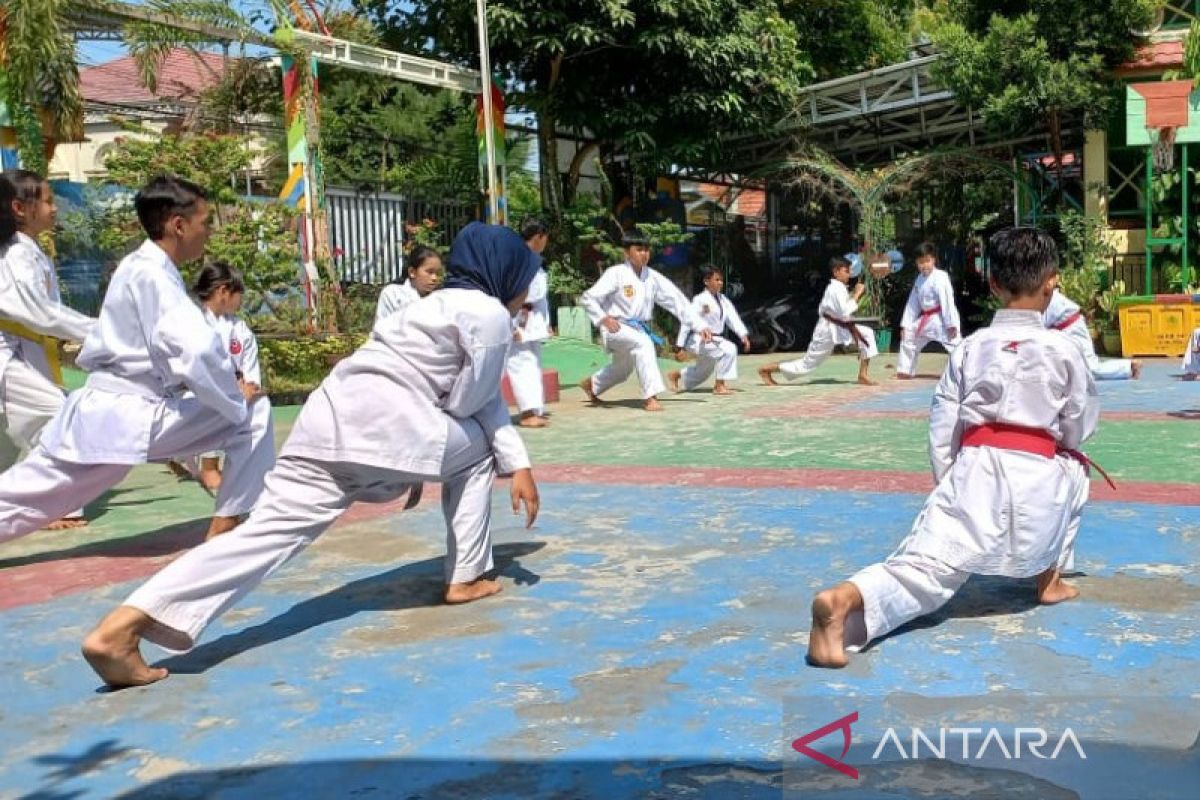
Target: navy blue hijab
column 493, row 259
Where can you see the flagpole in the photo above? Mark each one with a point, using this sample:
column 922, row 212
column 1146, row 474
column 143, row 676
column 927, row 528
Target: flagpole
column 485, row 73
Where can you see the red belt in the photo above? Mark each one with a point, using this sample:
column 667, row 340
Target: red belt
column 927, row 315
column 1025, row 440
column 850, row 326
column 1068, row 322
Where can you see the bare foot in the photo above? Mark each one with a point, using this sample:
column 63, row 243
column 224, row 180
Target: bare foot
column 1190, row 376
column 722, row 390
column 532, row 421
column 586, row 385
column 1136, row 368
column 767, row 378
column 652, row 404
column 66, row 524
column 220, row 525
column 459, row 593
column 825, row 645
column 673, row 378
column 1051, row 588
column 112, row 650
column 901, row 376
column 865, row 381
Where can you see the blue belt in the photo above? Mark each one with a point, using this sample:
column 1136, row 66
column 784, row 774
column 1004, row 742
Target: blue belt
column 644, row 327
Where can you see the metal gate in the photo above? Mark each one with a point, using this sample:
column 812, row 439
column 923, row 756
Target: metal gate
column 367, row 233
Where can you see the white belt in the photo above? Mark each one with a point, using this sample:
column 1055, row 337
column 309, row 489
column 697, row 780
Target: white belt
column 117, row 384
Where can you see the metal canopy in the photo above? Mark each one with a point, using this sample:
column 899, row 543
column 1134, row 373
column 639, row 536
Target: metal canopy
column 873, row 117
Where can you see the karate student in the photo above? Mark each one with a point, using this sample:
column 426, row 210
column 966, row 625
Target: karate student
column 29, row 296
column 219, row 288
column 716, row 312
column 834, row 327
column 530, row 328
column 1009, row 414
column 620, row 305
column 1191, row 357
column 424, row 267
column 420, row 401
column 161, row 384
column 929, row 316
column 1063, row 315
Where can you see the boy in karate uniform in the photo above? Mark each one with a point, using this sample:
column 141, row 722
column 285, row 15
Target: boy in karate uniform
column 1063, row 315
column 930, row 315
column 620, row 305
column 530, row 328
column 420, row 401
column 716, row 312
column 150, row 346
column 29, row 297
column 834, row 327
column 1011, row 409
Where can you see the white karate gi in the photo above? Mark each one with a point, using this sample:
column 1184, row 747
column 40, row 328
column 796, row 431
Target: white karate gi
column 420, row 401
column 921, row 324
column 29, row 295
column 394, row 297
column 835, row 303
column 1063, row 315
column 524, row 365
column 993, row 511
column 1191, row 356
column 626, row 296
column 161, row 387
column 720, row 354
column 243, row 351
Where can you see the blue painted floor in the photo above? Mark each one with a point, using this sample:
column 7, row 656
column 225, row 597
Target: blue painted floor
column 648, row 644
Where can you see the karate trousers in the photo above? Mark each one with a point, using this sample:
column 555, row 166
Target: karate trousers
column 43, row 488
column 28, row 401
column 302, row 498
column 262, row 439
column 524, row 368
column 911, row 345
column 631, row 349
column 719, row 355
column 821, row 347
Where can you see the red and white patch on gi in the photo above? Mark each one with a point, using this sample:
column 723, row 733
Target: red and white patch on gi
column 235, row 347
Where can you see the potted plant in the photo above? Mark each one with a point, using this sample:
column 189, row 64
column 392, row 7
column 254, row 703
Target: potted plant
column 1108, row 318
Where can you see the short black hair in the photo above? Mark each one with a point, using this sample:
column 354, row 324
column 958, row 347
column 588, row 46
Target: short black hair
column 16, row 185
column 534, row 226
column 162, row 198
column 926, row 250
column 635, row 238
column 837, row 262
column 708, row 270
column 213, row 276
column 418, row 256
column 1021, row 259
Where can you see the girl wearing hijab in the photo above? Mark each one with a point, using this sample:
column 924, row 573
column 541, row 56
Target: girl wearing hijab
column 420, row 401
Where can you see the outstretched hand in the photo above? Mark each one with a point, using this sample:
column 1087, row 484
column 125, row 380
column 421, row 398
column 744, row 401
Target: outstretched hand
column 524, row 490
column 250, row 391
column 746, row 343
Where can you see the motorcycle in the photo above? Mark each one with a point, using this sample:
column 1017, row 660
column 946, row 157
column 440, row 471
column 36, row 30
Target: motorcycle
column 783, row 322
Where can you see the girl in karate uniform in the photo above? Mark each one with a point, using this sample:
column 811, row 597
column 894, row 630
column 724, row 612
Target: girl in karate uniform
column 424, row 267
column 717, row 313
column 420, row 401
column 29, row 297
column 930, row 315
column 219, row 288
column 1191, row 357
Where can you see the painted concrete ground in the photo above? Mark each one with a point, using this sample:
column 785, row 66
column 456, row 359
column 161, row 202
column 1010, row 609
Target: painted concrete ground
column 650, row 638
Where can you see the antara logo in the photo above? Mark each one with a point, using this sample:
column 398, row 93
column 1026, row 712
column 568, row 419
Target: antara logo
column 801, row 745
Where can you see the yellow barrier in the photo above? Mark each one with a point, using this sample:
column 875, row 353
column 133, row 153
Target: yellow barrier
column 1160, row 325
column 48, row 343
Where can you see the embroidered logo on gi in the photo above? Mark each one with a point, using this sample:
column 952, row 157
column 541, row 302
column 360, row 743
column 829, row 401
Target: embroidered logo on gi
column 629, row 291
column 1011, row 347
column 704, row 309
column 235, row 347
column 801, row 745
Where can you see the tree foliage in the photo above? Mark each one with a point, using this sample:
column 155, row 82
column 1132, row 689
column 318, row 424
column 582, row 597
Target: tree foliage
column 1028, row 64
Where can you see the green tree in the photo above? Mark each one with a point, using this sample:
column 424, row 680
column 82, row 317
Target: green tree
column 1032, row 63
column 841, row 37
column 652, row 80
